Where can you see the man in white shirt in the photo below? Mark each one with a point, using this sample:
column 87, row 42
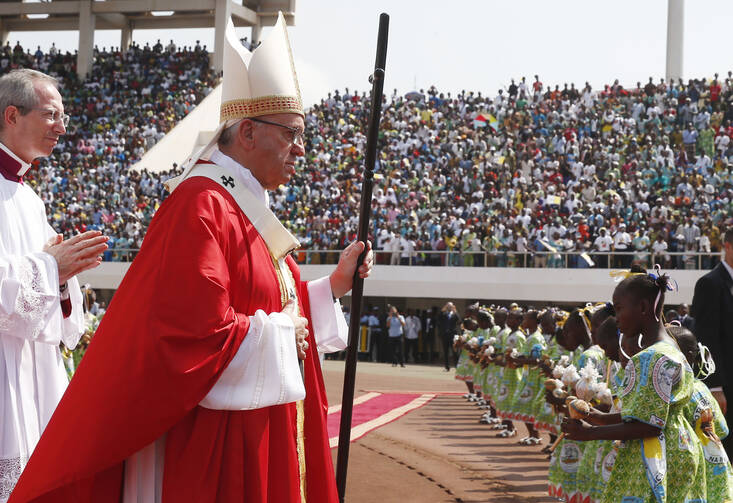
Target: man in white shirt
column 40, row 299
column 413, row 327
column 659, row 249
column 603, row 244
column 407, row 250
column 622, row 243
column 395, row 328
column 393, row 245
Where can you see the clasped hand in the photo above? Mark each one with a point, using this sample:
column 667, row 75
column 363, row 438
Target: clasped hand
column 76, row 254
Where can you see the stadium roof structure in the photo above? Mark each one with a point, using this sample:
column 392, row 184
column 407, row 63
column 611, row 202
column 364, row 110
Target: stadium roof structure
column 129, row 15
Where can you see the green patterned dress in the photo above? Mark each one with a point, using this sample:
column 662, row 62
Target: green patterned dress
column 657, row 384
column 464, row 372
column 478, row 381
column 545, row 417
column 601, row 465
column 510, row 377
column 495, row 372
column 530, row 381
column 486, row 374
column 718, row 474
column 586, row 478
column 565, row 460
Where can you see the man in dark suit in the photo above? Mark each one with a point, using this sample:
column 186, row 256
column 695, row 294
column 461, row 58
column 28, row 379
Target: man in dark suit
column 683, row 313
column 712, row 309
column 447, row 328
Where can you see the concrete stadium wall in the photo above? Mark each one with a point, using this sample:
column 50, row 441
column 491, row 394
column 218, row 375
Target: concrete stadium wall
column 510, row 284
column 194, row 130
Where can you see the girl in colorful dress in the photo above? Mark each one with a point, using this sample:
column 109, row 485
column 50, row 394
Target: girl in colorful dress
column 565, row 459
column 463, row 369
column 706, row 418
column 489, row 373
column 496, row 370
column 484, row 321
column 660, row 459
column 607, row 337
column 592, row 318
column 531, row 379
column 546, row 419
column 486, row 328
column 513, row 344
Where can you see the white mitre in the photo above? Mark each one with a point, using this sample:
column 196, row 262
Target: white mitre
column 261, row 82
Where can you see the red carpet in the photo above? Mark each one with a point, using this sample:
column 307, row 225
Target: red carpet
column 373, row 410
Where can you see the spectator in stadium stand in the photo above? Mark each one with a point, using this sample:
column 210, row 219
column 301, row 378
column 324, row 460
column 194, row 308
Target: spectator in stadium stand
column 602, row 244
column 622, row 243
column 712, row 305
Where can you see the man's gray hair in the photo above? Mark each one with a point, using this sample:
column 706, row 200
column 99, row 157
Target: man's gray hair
column 230, row 132
column 16, row 89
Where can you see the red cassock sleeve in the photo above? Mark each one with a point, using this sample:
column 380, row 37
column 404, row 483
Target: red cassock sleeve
column 170, row 331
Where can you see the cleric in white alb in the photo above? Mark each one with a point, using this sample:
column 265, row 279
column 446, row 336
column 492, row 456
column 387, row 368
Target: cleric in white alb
column 40, row 300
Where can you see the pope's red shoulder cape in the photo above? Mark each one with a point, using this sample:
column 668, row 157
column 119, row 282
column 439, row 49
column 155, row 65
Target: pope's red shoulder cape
column 174, row 324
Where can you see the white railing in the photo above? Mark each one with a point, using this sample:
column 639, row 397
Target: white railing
column 534, row 259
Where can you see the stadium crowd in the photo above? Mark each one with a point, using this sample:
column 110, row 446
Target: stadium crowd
column 513, row 180
column 487, row 181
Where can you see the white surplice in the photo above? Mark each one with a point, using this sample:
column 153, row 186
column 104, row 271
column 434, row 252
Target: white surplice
column 32, row 373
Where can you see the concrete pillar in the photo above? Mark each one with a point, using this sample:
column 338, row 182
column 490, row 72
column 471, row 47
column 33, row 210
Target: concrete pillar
column 675, row 38
column 222, row 11
column 126, row 36
column 256, row 32
column 4, row 33
column 87, row 22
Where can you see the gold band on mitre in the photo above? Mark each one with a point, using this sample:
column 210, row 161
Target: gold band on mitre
column 262, row 105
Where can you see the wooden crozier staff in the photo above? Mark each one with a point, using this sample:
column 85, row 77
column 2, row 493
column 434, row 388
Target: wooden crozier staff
column 347, row 400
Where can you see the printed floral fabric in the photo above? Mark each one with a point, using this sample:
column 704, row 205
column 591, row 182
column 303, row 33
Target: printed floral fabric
column 708, row 421
column 510, row 377
column 523, row 402
column 657, row 384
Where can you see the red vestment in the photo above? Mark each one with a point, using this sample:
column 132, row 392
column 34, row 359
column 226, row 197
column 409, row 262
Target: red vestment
column 174, row 324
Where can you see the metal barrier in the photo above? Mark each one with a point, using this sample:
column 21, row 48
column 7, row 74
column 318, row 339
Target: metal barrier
column 528, row 259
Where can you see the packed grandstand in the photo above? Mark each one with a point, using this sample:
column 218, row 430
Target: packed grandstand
column 553, row 176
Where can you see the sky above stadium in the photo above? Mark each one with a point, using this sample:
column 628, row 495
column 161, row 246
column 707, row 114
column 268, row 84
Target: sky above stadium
column 476, row 45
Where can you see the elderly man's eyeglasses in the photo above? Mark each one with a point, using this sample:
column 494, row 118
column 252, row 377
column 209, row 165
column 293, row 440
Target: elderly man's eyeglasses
column 297, row 134
column 50, row 114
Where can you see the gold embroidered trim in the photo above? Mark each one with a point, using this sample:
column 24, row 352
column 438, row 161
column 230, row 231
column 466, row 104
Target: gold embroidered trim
column 264, row 105
column 300, row 418
column 285, row 295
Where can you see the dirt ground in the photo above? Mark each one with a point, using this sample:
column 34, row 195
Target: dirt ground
column 437, row 453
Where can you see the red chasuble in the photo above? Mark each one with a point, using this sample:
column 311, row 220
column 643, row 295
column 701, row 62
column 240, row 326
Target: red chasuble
column 173, row 326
